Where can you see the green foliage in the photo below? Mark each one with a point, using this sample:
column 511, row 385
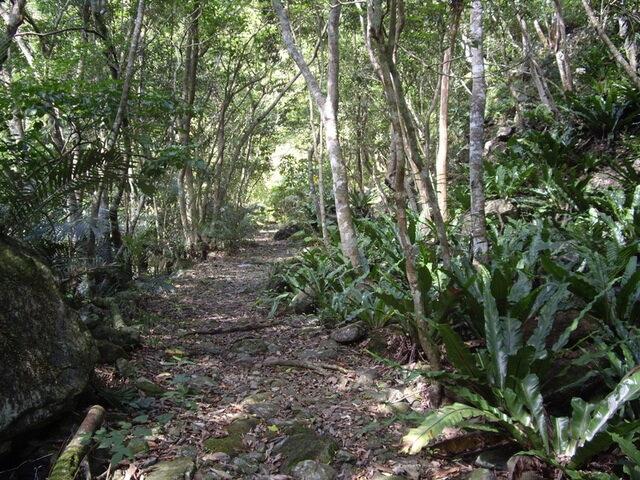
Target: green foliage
column 609, row 110
column 235, row 225
column 537, row 272
column 125, row 441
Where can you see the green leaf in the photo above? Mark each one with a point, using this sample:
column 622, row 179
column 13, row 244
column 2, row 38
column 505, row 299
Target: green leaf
column 628, row 447
column 458, row 353
column 519, row 365
column 495, row 339
column 530, row 389
column 434, row 423
column 561, row 435
column 628, row 389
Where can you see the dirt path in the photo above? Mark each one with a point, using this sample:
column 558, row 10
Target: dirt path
column 245, row 386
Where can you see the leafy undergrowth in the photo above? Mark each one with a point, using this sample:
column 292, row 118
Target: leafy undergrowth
column 197, row 384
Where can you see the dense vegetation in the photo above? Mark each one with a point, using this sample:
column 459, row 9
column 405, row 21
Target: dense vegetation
column 135, row 135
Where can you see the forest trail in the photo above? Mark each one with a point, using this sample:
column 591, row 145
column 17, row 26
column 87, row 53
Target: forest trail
column 247, row 404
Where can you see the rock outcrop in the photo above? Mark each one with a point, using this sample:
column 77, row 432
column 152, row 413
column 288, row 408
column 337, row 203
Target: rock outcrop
column 46, row 353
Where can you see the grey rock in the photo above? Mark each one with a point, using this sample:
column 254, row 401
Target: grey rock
column 305, row 445
column 178, row 469
column 343, row 456
column 481, row 474
column 110, row 352
column 49, row 349
column 264, row 410
column 495, row 459
column 531, row 476
column 149, row 388
column 250, row 346
column 349, row 333
column 125, row 368
column 304, row 302
column 245, row 465
column 505, row 133
column 312, row 470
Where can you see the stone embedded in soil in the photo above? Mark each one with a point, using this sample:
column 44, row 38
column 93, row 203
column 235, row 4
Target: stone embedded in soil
column 481, row 474
column 349, row 333
column 312, row 470
column 233, row 443
column 250, row 346
column 177, row 469
column 306, row 445
column 149, row 388
column 264, row 410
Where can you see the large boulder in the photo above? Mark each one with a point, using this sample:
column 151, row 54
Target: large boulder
column 46, row 353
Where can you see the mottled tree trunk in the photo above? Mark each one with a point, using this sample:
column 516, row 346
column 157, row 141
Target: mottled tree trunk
column 328, row 106
column 443, row 118
column 479, row 240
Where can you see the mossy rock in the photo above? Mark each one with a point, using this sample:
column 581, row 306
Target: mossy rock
column 49, row 349
column 233, row 443
column 177, row 469
column 307, row 445
column 149, row 388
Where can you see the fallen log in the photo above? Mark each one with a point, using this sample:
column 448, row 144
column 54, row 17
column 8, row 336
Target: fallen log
column 67, row 464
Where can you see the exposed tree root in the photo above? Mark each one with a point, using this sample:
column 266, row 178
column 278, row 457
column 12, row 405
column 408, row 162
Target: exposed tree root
column 320, row 367
column 244, row 327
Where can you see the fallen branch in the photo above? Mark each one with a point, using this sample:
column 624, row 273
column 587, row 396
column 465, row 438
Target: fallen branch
column 245, row 327
column 320, row 367
column 71, row 457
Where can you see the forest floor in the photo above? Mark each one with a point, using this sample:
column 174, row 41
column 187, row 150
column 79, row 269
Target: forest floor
column 277, row 387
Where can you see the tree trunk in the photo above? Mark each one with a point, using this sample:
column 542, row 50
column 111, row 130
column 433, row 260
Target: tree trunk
column 443, row 119
column 479, row 240
column 555, row 41
column 620, row 60
column 328, row 106
column 14, row 19
column 381, row 45
column 539, row 80
column 186, row 187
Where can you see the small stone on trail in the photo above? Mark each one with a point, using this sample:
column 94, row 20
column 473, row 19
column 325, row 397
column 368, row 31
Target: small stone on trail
column 350, row 333
column 312, row 470
column 263, row 410
column 177, row 469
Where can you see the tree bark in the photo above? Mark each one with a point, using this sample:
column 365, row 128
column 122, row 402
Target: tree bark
column 14, row 19
column 479, row 240
column 443, row 119
column 381, row 45
column 186, row 188
column 328, row 107
column 539, row 80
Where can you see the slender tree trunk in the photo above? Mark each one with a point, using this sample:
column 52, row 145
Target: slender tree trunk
column 631, row 38
column 328, row 106
column 382, row 45
column 618, row 57
column 186, row 188
column 443, row 119
column 539, row 80
column 479, row 240
column 555, row 41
